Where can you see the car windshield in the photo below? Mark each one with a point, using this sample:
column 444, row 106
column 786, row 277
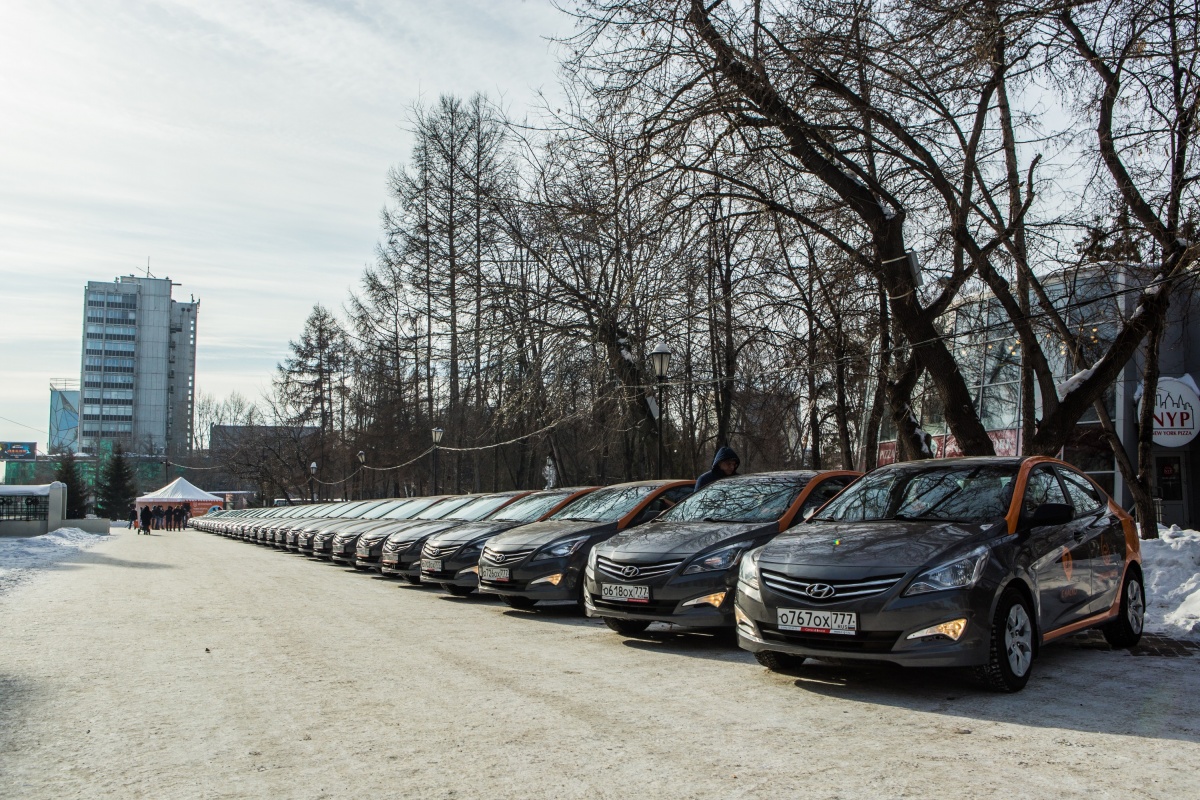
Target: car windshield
column 952, row 493
column 738, row 501
column 531, row 508
column 349, row 510
column 479, row 508
column 445, row 508
column 383, row 508
column 605, row 505
column 408, row 509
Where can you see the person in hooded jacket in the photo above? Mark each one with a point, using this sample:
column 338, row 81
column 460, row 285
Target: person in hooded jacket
column 146, row 516
column 725, row 463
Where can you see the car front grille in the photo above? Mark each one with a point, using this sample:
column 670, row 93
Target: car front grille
column 497, row 557
column 635, row 572
column 431, row 550
column 842, row 590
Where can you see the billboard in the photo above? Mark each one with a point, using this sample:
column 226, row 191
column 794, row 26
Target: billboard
column 18, row 451
column 64, row 420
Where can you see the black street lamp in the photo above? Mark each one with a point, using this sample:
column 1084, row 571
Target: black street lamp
column 660, row 359
column 312, row 487
column 362, row 460
column 438, row 433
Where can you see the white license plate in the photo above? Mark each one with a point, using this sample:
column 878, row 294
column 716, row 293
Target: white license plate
column 431, row 564
column 844, row 623
column 494, row 574
column 625, row 594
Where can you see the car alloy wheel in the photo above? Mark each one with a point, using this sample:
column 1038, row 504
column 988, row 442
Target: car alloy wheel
column 1010, row 651
column 1126, row 629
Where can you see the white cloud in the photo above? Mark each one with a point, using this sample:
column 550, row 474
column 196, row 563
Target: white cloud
column 241, row 146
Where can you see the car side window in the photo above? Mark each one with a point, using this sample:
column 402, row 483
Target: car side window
column 1043, row 487
column 678, row 493
column 821, row 494
column 1084, row 496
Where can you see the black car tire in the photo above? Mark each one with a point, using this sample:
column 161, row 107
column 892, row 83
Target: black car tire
column 458, row 591
column 515, row 601
column 1010, row 655
column 778, row 662
column 627, row 627
column 415, row 580
column 1126, row 630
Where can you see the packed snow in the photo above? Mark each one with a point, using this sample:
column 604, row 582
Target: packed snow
column 1171, row 565
column 20, row 558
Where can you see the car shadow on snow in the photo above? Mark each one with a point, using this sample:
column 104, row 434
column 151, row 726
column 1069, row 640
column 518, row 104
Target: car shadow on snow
column 88, row 558
column 669, row 640
column 1073, row 689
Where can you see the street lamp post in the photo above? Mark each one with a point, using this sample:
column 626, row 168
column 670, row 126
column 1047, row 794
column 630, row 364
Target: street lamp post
column 437, row 440
column 362, row 460
column 660, row 359
column 312, row 486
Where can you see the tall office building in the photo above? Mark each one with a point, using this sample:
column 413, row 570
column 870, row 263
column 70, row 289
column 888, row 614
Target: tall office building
column 139, row 367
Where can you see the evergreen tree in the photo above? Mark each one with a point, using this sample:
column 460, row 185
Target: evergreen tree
column 118, row 489
column 68, row 473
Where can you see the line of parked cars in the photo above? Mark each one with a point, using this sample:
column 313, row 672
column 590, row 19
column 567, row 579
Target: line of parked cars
column 969, row 562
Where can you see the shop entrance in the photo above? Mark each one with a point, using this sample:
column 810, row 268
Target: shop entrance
column 1169, row 488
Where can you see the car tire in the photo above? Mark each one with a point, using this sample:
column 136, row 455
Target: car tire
column 778, row 662
column 458, row 591
column 415, row 580
column 1126, row 630
column 627, row 627
column 1010, row 654
column 514, row 601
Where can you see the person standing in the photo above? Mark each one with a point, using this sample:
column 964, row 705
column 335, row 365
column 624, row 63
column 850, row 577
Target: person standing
column 725, row 463
column 133, row 517
column 145, row 521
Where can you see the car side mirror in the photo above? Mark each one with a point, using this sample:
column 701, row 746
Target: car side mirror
column 1051, row 514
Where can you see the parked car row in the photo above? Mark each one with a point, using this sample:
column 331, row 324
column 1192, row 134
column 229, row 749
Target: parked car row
column 971, row 562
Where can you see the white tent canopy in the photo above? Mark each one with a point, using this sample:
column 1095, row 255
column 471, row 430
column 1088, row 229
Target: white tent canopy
column 180, row 491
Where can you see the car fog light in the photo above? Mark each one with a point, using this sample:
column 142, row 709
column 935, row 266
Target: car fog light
column 952, row 630
column 743, row 621
column 474, row 570
column 553, row 580
column 715, row 599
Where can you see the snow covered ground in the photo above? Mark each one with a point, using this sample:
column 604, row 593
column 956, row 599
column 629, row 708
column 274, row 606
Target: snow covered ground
column 1172, row 567
column 20, row 558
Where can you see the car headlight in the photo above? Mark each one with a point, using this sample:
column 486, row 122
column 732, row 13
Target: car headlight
column 961, row 573
column 561, row 548
column 472, row 549
column 748, row 576
column 718, row 560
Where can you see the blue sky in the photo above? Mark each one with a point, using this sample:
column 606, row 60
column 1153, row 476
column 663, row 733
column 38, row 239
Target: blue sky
column 242, row 147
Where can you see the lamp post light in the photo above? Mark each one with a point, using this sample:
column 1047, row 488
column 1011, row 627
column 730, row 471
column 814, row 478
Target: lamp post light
column 362, row 460
column 312, row 487
column 437, row 433
column 660, row 360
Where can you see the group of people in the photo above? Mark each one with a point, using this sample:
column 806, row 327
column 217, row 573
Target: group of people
column 171, row 518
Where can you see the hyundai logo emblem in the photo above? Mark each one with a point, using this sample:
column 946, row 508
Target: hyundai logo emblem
column 630, row 572
column 820, row 591
column 498, row 558
column 433, row 551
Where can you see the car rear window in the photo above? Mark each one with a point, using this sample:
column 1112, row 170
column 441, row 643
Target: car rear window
column 947, row 493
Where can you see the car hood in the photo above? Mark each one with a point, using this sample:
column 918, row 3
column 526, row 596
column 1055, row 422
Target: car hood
column 419, row 529
column 891, row 544
column 537, row 534
column 679, row 538
column 470, row 531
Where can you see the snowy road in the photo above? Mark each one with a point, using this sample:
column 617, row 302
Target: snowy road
column 185, row 665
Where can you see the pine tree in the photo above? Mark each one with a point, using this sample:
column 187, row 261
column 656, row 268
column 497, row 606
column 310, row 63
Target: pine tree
column 117, row 490
column 68, row 473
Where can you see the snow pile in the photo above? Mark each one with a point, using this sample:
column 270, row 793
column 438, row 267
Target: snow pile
column 1171, row 565
column 21, row 557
